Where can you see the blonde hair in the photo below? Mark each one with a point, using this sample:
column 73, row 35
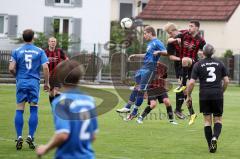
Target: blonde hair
column 170, row 27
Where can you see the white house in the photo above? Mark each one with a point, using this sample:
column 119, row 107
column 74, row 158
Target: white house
column 220, row 19
column 87, row 21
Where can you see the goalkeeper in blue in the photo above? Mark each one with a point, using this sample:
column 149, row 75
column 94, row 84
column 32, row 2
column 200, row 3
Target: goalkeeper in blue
column 25, row 64
column 145, row 74
column 74, row 117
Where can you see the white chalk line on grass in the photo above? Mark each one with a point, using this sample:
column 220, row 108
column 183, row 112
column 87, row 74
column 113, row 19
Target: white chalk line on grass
column 5, row 139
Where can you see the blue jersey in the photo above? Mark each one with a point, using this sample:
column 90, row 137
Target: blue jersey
column 29, row 60
column 74, row 113
column 150, row 61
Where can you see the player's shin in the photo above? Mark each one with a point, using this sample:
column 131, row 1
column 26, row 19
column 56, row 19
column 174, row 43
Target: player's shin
column 208, row 134
column 33, row 120
column 169, row 112
column 19, row 121
column 146, row 111
column 217, row 129
column 179, row 101
column 185, row 73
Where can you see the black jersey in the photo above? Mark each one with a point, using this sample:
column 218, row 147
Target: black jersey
column 174, row 49
column 210, row 73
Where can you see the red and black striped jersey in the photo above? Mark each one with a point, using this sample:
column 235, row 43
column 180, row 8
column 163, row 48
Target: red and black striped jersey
column 55, row 57
column 160, row 76
column 174, row 48
column 190, row 45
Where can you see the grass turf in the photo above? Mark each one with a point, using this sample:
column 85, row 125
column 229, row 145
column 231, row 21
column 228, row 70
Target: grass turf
column 156, row 138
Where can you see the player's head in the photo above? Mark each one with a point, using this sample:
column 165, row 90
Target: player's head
column 28, row 35
column 52, row 42
column 149, row 33
column 208, row 50
column 69, row 72
column 194, row 26
column 171, row 29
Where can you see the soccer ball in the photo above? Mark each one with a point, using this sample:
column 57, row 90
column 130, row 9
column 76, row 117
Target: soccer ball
column 126, row 23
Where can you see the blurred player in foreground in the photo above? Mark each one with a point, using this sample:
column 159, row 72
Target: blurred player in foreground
column 213, row 80
column 74, row 117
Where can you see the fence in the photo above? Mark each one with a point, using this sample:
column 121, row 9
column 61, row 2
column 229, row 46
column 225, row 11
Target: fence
column 102, row 66
column 5, row 56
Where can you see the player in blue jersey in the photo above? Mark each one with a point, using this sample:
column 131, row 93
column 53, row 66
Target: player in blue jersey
column 25, row 65
column 74, row 117
column 144, row 75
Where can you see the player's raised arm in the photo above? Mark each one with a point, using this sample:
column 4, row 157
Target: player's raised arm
column 136, row 56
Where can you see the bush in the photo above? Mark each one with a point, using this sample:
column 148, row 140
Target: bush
column 228, row 53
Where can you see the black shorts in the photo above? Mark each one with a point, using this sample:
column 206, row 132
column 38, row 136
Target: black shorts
column 159, row 98
column 214, row 107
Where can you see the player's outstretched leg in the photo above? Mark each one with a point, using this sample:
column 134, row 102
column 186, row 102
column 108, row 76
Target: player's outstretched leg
column 132, row 99
column 146, row 111
column 139, row 101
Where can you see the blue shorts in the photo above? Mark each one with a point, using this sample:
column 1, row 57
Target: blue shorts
column 27, row 90
column 143, row 77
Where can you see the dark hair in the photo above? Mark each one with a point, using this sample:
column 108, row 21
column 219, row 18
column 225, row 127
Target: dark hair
column 69, row 72
column 196, row 23
column 208, row 50
column 150, row 29
column 28, row 35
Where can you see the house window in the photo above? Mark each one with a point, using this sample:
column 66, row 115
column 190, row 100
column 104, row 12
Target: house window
column 63, row 2
column 126, row 10
column 143, row 5
column 162, row 35
column 61, row 25
column 1, row 24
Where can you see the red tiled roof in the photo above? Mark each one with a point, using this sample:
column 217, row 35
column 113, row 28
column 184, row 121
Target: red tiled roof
column 220, row 10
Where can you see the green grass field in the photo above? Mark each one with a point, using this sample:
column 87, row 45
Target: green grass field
column 117, row 139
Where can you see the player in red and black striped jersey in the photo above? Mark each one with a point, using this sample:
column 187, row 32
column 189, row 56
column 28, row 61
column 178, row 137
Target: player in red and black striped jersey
column 55, row 56
column 157, row 90
column 174, row 51
column 191, row 45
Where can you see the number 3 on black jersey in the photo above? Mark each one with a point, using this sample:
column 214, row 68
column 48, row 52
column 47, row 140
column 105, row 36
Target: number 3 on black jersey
column 211, row 74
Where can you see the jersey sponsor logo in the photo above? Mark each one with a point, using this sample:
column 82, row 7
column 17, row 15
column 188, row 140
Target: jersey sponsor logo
column 29, row 51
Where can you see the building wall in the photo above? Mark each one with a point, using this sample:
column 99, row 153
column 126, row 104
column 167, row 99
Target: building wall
column 215, row 32
column 95, row 16
column 233, row 32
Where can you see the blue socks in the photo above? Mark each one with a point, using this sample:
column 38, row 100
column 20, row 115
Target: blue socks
column 19, row 122
column 33, row 120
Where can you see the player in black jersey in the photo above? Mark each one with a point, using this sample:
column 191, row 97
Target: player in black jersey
column 213, row 78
